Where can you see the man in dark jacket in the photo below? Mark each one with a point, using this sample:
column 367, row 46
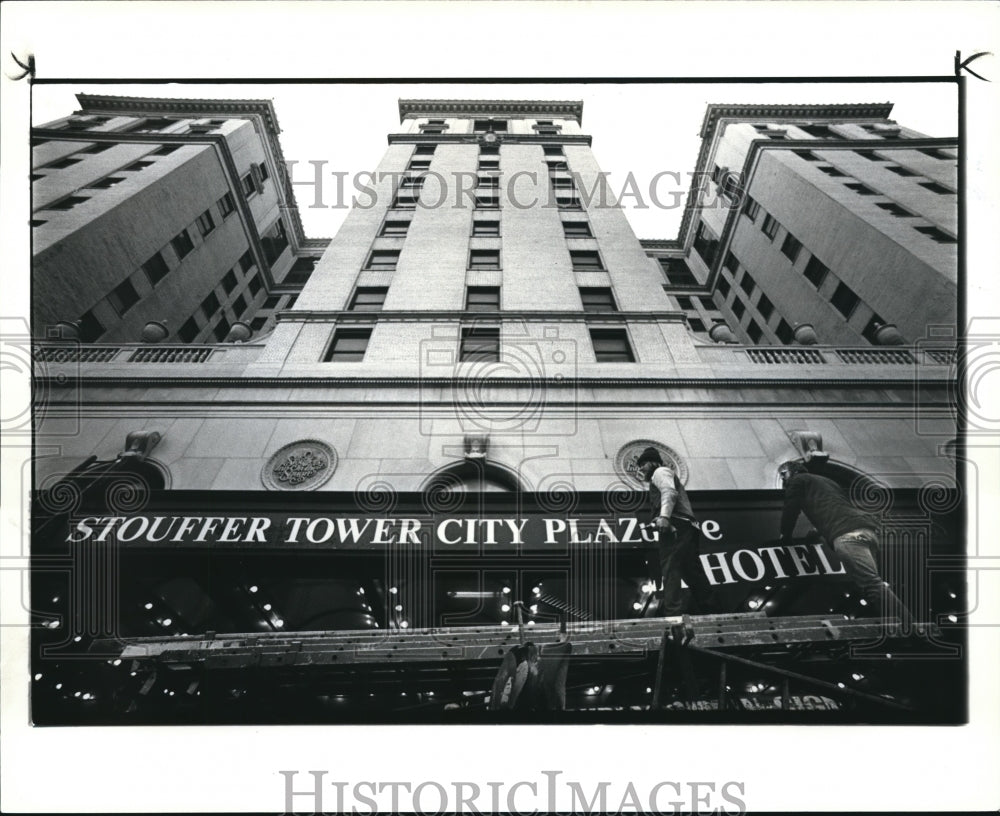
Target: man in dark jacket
column 850, row 532
column 678, row 536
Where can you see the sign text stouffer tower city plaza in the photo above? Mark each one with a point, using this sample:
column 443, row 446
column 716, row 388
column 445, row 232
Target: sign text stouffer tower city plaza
column 458, row 534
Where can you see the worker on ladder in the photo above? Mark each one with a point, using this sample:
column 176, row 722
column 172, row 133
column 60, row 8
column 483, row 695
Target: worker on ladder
column 678, row 537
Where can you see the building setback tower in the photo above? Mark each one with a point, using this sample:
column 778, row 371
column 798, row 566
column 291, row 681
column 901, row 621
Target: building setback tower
column 442, row 428
column 174, row 212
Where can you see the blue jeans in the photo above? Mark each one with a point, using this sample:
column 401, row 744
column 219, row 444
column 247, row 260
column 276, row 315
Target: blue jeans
column 858, row 551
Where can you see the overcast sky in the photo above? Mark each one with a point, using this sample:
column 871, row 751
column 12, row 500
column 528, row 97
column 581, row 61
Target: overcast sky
column 642, row 129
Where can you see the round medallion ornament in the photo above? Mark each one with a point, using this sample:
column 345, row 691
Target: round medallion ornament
column 627, row 470
column 302, row 465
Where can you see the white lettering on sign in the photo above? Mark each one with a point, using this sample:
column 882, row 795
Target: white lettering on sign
column 711, row 530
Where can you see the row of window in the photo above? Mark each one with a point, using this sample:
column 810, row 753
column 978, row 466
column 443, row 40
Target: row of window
column 827, row 132
column 478, row 344
column 598, row 299
column 210, row 307
column 386, row 260
column 844, row 299
column 763, row 310
column 148, row 125
column 899, row 170
column 542, row 127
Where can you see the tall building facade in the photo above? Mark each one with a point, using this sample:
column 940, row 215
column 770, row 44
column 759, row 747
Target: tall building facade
column 474, row 365
column 176, row 214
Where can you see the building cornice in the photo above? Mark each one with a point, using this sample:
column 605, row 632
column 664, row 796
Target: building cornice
column 59, row 381
column 477, row 138
column 828, row 113
column 561, row 109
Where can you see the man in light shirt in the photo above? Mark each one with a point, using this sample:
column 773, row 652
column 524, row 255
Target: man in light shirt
column 678, row 537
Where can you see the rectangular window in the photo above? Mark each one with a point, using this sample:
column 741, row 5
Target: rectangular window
column 611, row 346
column 597, row 299
column 488, row 125
column 136, row 166
column 424, row 150
column 271, row 302
column 557, row 166
column 862, row 189
column 586, row 261
column 433, row 130
column 770, row 226
column 123, row 297
column 368, row 299
column 37, row 222
column 484, row 259
column 67, row 203
column 677, row 272
column 695, row 324
column 395, row 228
column 411, row 183
column 291, row 301
column 938, row 235
column 100, row 147
column 552, row 150
column 576, row 229
column 486, row 201
column 249, row 185
column 832, row 171
column 262, row 171
column 383, row 260
column 419, row 165
column 934, row 187
column 104, row 183
column 487, row 183
column 820, row 131
column 747, row 283
column 784, row 332
column 486, row 229
column 182, row 243
column 934, row 153
column 568, row 203
column 723, row 287
column 730, row 263
column 488, row 165
column 808, row 155
column 229, row 281
column 246, row 261
column 205, row 223
column 739, row 308
column 482, row 299
column 165, row 150
column 62, row 163
column 226, row 205
column 562, row 183
column 239, row 306
column 480, row 344
column 258, row 323
column 405, row 201
column 844, row 300
column 751, row 208
column 210, row 305
column 188, row 331
column 900, row 171
column 894, row 208
column 706, row 244
column 754, row 331
column 489, row 150
column 765, row 307
column 685, row 303
column 90, row 327
column 155, row 269
column 254, row 285
column 149, row 125
column 791, row 247
column 221, row 329
column 815, row 272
